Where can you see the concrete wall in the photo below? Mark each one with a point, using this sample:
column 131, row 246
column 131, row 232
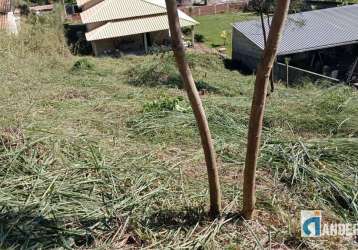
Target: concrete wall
column 102, row 47
column 120, row 45
column 160, row 37
column 244, row 51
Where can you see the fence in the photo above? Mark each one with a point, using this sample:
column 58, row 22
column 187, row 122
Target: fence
column 290, row 74
column 213, row 9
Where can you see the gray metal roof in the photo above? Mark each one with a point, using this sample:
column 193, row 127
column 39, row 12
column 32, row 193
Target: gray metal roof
column 310, row 30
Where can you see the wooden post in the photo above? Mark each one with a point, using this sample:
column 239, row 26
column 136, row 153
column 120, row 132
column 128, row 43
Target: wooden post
column 272, row 75
column 94, row 48
column 193, row 36
column 287, row 70
column 145, row 43
column 287, row 62
column 351, row 72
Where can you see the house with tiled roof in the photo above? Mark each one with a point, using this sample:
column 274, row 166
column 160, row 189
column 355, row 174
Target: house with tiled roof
column 7, row 18
column 128, row 27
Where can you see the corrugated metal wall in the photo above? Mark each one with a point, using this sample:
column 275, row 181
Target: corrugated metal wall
column 244, row 51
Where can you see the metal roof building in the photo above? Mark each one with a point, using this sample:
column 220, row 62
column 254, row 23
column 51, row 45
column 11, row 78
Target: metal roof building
column 140, row 22
column 309, row 30
column 304, row 32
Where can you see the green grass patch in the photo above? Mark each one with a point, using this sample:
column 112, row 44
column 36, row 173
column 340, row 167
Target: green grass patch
column 212, row 26
column 324, row 170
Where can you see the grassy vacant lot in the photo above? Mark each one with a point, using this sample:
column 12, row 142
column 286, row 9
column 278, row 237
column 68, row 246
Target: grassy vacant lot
column 212, row 26
column 104, row 153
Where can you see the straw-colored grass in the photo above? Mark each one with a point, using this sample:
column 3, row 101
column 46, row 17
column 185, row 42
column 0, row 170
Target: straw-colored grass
column 94, row 158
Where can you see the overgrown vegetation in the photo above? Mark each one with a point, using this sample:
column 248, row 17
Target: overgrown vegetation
column 163, row 72
column 40, row 36
column 324, row 169
column 200, row 38
column 82, row 64
column 94, row 159
column 164, row 104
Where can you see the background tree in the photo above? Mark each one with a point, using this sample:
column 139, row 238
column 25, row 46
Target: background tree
column 258, row 106
column 196, row 104
column 268, row 6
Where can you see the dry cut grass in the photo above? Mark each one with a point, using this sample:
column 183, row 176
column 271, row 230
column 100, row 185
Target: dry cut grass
column 105, row 154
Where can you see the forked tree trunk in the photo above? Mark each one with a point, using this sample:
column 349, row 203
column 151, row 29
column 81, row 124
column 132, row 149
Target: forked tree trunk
column 258, row 107
column 196, row 104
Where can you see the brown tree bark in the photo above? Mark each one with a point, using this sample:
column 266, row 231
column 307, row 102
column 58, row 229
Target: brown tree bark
column 272, row 80
column 258, row 107
column 264, row 33
column 196, row 104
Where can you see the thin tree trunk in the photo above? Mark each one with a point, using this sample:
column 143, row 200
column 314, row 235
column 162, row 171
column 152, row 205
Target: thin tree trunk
column 263, row 27
column 258, row 107
column 272, row 81
column 265, row 40
column 196, row 104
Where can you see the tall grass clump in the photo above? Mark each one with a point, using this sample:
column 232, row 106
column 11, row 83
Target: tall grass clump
column 172, row 119
column 327, row 111
column 154, row 72
column 82, row 64
column 38, row 36
column 160, row 70
column 322, row 170
column 60, row 193
column 335, row 111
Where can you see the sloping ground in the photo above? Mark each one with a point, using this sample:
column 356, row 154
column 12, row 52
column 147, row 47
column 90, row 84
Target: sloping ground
column 100, row 153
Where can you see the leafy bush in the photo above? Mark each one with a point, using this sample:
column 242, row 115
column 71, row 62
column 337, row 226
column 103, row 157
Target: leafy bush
column 202, row 85
column 186, row 31
column 200, row 38
column 153, row 73
column 83, row 64
column 76, row 39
